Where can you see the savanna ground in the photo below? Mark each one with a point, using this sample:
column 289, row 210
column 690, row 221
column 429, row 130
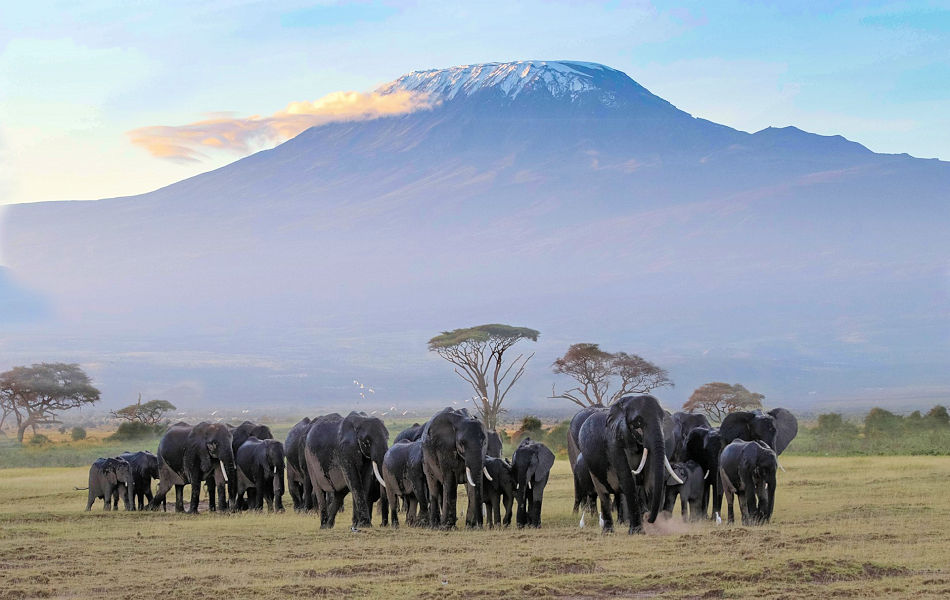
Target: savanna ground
column 843, row 527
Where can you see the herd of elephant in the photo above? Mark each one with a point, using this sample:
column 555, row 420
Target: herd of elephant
column 632, row 457
column 327, row 458
column 637, row 458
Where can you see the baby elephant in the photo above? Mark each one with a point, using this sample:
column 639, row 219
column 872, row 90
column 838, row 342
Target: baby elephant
column 108, row 476
column 498, row 491
column 144, row 470
column 748, row 469
column 261, row 473
column 530, row 466
column 690, row 492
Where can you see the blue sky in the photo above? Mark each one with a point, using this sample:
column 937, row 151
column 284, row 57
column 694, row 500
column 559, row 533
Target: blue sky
column 75, row 78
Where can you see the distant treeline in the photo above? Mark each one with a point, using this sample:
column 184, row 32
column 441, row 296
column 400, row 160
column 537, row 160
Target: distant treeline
column 881, row 432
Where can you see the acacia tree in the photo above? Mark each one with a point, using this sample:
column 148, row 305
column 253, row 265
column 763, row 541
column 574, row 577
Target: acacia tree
column 151, row 413
column 478, row 354
column 718, row 399
column 34, row 395
column 597, row 371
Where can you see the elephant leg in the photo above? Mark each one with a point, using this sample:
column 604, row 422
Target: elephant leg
column 212, row 495
column 732, row 516
column 744, row 508
column 91, row 499
column 606, row 510
column 322, row 507
column 508, row 500
column 335, row 504
column 683, row 501
column 496, row 510
column 107, row 498
column 537, row 498
column 195, row 493
column 179, row 498
column 432, row 484
column 260, row 493
column 450, row 492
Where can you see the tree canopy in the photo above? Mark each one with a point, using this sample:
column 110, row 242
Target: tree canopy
column 34, row 395
column 597, row 371
column 478, row 354
column 152, row 412
column 718, row 399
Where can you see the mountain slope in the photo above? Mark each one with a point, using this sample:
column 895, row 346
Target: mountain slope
column 558, row 195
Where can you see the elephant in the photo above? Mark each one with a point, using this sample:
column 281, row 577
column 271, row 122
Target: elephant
column 748, row 426
column 261, row 469
column 192, row 455
column 453, row 450
column 703, row 445
column 405, row 480
column 493, row 444
column 298, row 478
column 683, row 423
column 581, row 485
column 239, row 435
column 690, row 492
column 410, row 434
column 144, row 469
column 748, row 469
column 530, row 466
column 786, row 428
column 498, row 491
column 616, row 444
column 110, row 477
column 343, row 455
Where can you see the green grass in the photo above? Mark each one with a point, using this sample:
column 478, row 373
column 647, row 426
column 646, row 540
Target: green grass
column 843, row 527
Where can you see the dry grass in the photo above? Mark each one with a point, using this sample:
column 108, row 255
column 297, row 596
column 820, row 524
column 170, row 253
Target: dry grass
column 848, row 527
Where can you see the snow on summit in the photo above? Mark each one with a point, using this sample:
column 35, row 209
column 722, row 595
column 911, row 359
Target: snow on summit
column 560, row 78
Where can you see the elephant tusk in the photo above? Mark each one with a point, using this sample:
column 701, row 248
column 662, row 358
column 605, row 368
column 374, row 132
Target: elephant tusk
column 643, row 462
column 468, row 473
column 779, row 465
column 529, row 484
column 669, row 468
column 600, row 520
column 706, row 476
column 583, row 516
column 275, row 470
column 718, row 519
column 378, row 476
column 487, row 476
column 224, row 472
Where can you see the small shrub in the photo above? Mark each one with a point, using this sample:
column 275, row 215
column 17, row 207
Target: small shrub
column 78, row 433
column 134, row 430
column 39, row 440
column 530, row 423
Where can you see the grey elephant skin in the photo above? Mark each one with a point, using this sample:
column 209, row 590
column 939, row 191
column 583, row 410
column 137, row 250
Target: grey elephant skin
column 453, row 447
column 261, row 473
column 107, row 477
column 192, row 455
column 345, row 455
column 493, row 445
column 613, row 442
column 410, row 434
column 498, row 491
column 406, row 483
column 689, row 493
column 531, row 465
column 748, row 470
column 298, row 478
column 144, row 469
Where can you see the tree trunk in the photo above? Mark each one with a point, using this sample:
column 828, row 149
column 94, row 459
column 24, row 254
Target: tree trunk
column 20, row 430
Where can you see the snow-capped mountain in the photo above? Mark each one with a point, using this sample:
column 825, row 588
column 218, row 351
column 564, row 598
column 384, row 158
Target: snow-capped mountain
column 558, row 195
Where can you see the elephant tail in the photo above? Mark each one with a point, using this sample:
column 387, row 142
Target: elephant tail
column 83, row 488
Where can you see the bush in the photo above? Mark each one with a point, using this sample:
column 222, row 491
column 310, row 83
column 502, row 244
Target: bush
column 39, row 440
column 78, row 433
column 134, row 430
column 530, row 423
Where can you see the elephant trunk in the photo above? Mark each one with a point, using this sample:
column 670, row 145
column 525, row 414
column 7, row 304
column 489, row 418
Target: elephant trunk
column 654, row 441
column 474, row 463
column 770, row 498
column 229, row 473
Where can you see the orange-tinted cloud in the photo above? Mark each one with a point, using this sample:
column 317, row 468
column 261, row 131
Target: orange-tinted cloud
column 244, row 134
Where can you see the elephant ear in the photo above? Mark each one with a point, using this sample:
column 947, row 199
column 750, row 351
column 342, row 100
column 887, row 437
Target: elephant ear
column 545, row 459
column 617, row 420
column 668, row 438
column 786, row 428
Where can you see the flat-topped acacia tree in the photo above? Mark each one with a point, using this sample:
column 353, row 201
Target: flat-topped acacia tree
column 34, row 395
column 478, row 354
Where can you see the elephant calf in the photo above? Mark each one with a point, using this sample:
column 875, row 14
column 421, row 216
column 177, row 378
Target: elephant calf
column 531, row 464
column 690, row 492
column 260, row 467
column 109, row 476
column 498, row 490
column 748, row 469
column 405, row 480
column 144, row 470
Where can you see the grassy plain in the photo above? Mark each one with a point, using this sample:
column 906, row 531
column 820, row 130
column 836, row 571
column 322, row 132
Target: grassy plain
column 843, row 527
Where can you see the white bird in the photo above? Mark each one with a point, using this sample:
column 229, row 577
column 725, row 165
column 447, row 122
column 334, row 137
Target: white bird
column 214, row 413
column 384, row 414
column 373, row 413
column 466, row 399
column 362, row 395
column 718, row 519
column 454, row 401
column 362, row 386
column 355, row 382
column 245, row 411
column 371, row 391
column 404, row 412
column 392, row 408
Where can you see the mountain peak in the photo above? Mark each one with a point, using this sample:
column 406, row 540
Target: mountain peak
column 559, row 79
